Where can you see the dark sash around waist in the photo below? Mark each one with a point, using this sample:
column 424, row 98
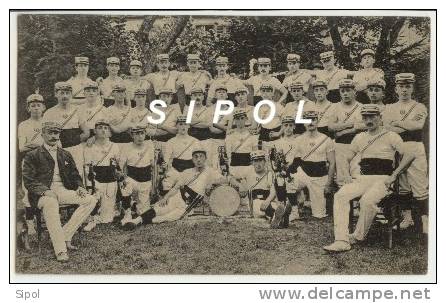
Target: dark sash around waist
column 181, row 164
column 376, row 166
column 220, row 136
column 240, row 159
column 345, row 139
column 140, row 174
column 165, row 137
column 70, row 137
column 314, row 169
column 200, row 133
column 261, row 194
column 123, row 137
column 188, row 194
column 104, row 174
column 410, row 136
column 264, row 133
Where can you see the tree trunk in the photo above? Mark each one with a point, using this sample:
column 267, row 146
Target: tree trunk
column 341, row 52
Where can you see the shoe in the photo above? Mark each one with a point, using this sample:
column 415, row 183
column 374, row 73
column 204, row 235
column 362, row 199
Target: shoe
column 352, row 240
column 71, row 246
column 127, row 218
column 90, row 226
column 294, row 215
column 338, row 246
column 30, row 226
column 132, row 224
column 62, row 257
column 278, row 216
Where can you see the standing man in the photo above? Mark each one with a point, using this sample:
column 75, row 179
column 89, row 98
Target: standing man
column 93, row 109
column 322, row 106
column 345, row 122
column 376, row 93
column 119, row 116
column 194, row 78
column 264, row 78
column 30, row 137
column 407, row 118
column 296, row 74
column 376, row 148
column 368, row 73
column 135, row 81
column 79, row 81
column 164, row 78
column 332, row 75
column 222, row 78
column 314, row 164
column 106, row 85
column 51, row 178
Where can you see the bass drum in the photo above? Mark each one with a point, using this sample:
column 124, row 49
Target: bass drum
column 224, row 201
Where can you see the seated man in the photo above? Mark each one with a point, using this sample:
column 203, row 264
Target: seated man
column 191, row 186
column 376, row 148
column 51, row 178
column 259, row 184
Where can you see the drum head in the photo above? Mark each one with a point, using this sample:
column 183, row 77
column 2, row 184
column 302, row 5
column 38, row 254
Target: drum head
column 224, row 201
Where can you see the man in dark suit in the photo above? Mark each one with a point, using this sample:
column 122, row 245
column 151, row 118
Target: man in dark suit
column 51, row 178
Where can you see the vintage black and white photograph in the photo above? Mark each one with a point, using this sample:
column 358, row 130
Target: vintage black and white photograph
column 222, row 143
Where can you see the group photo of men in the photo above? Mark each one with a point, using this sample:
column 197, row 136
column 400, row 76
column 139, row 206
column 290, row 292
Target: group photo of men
column 128, row 158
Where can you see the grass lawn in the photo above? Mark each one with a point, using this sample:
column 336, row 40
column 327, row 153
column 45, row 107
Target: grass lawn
column 236, row 245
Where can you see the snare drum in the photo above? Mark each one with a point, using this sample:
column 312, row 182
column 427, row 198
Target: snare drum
column 224, row 201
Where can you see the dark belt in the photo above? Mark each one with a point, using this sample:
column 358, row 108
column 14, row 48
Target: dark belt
column 104, row 174
column 165, row 137
column 70, row 137
column 261, row 194
column 376, row 166
column 123, row 137
column 314, row 169
column 200, row 133
column 221, row 136
column 140, row 174
column 264, row 133
column 181, row 164
column 412, row 136
column 240, row 159
column 345, row 139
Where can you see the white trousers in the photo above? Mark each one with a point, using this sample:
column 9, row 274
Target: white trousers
column 50, row 211
column 107, row 193
column 372, row 190
column 341, row 169
column 415, row 178
column 140, row 192
column 315, row 186
column 172, row 211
